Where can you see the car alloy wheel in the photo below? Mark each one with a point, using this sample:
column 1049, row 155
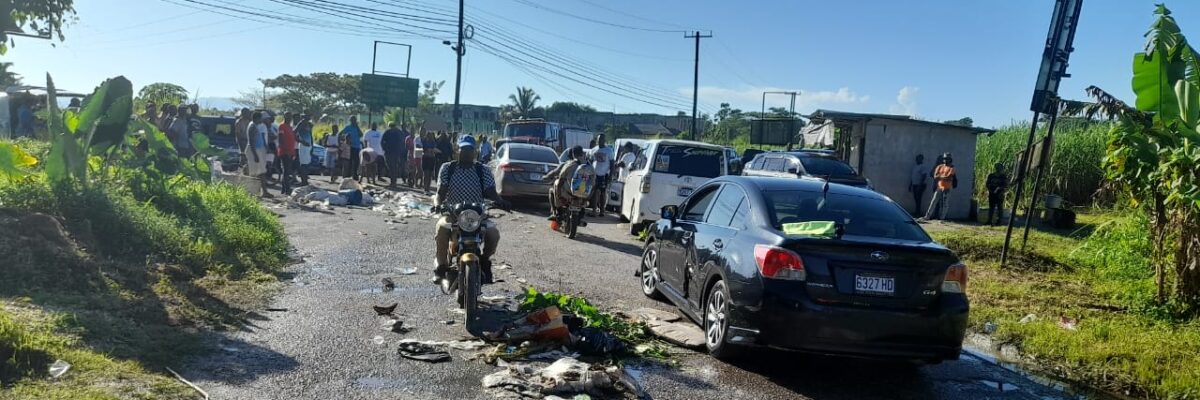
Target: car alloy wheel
column 649, row 272
column 715, row 317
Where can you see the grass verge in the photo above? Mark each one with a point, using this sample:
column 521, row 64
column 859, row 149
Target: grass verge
column 122, row 279
column 1079, row 305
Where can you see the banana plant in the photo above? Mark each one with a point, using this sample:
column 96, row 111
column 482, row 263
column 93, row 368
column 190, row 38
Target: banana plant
column 100, row 126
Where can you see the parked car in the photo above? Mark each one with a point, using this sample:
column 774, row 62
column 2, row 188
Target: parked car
column 795, row 164
column 665, row 173
column 866, row 280
column 519, row 168
column 617, row 184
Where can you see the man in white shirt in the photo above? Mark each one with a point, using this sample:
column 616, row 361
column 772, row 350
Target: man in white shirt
column 602, row 162
column 374, row 141
column 917, row 184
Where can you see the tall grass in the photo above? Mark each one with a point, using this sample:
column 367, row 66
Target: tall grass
column 1074, row 171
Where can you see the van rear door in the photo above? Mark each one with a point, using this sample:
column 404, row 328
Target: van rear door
column 678, row 169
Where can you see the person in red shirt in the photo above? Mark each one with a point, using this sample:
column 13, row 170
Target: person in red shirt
column 286, row 153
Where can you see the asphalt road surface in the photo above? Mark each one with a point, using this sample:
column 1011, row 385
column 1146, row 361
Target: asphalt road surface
column 320, row 342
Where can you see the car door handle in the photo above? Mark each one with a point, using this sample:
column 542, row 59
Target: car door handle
column 718, row 244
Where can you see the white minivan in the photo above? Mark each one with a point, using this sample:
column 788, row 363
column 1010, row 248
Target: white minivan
column 665, row 173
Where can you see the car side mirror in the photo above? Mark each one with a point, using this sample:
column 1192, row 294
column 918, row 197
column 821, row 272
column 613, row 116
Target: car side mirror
column 793, row 171
column 670, row 213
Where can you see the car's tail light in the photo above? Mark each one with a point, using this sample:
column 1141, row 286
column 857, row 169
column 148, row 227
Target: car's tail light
column 646, row 184
column 956, row 279
column 778, row 263
column 507, row 167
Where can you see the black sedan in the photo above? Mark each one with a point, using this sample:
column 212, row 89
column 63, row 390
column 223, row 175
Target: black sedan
column 807, row 265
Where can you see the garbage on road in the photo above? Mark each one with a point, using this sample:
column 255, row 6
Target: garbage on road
column 544, row 324
column 385, row 310
column 566, row 376
column 59, row 368
column 419, row 351
column 388, row 285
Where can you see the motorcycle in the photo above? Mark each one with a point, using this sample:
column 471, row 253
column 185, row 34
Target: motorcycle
column 465, row 278
column 570, row 218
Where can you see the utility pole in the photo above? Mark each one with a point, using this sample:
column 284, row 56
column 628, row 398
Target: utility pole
column 458, row 76
column 696, row 78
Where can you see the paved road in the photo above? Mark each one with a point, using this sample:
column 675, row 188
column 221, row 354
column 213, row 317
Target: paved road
column 322, row 346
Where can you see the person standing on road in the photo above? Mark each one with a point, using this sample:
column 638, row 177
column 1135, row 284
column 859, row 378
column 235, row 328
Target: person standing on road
column 413, row 144
column 304, row 139
column 997, row 183
column 256, row 146
column 286, row 154
column 392, row 147
column 332, row 152
column 177, row 131
column 917, row 182
column 485, row 149
column 374, row 140
column 445, row 149
column 602, row 162
column 466, row 181
column 354, row 139
column 240, row 131
column 429, row 159
column 945, row 179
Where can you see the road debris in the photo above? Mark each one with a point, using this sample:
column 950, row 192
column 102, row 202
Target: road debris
column 565, row 376
column 1068, row 323
column 387, row 310
column 408, row 271
column 594, row 341
column 58, row 368
column 378, row 340
column 190, row 384
column 414, row 350
column 545, row 324
column 670, row 327
column 395, row 325
column 465, row 345
column 388, row 285
column 1028, row 318
column 277, row 309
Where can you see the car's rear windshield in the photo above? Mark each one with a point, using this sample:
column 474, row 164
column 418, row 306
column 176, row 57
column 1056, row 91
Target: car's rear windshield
column 826, row 166
column 860, row 216
column 535, row 154
column 688, row 161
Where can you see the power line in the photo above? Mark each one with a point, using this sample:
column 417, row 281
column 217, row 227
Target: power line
column 634, row 16
column 272, row 17
column 595, row 21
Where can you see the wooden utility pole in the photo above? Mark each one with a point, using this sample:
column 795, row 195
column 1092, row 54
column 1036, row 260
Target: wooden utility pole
column 696, row 77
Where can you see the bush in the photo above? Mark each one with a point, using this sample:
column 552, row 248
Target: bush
column 1075, row 172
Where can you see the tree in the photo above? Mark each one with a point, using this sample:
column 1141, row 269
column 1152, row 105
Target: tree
column 318, row 93
column 41, row 18
column 569, row 107
column 161, row 93
column 8, row 77
column 964, row 121
column 1153, row 157
column 524, row 101
column 256, row 98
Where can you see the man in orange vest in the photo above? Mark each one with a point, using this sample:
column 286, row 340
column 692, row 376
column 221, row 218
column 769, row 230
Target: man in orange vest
column 945, row 179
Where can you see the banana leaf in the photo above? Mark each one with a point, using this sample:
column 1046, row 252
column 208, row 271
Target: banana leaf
column 13, row 160
column 105, row 115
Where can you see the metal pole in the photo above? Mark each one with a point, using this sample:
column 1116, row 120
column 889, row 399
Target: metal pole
column 696, row 79
column 1037, row 180
column 1020, row 188
column 458, row 76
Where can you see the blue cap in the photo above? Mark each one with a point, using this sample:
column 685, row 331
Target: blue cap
column 466, row 141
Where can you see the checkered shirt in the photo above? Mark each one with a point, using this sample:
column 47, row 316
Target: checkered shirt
column 464, row 185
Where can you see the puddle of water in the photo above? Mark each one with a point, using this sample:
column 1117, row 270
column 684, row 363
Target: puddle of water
column 1070, row 391
column 379, row 383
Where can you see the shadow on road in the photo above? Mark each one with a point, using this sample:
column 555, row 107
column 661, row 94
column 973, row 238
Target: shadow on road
column 817, row 376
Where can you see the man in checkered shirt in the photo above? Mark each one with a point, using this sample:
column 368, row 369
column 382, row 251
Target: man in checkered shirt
column 466, row 181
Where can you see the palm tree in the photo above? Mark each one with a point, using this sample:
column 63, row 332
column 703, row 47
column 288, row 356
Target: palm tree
column 8, row 78
column 525, row 100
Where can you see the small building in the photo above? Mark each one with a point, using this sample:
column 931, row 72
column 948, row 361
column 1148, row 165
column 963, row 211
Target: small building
column 883, row 147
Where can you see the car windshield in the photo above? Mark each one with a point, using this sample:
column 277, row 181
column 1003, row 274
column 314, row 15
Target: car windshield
column 826, row 166
column 535, row 154
column 525, row 130
column 688, row 161
column 860, row 216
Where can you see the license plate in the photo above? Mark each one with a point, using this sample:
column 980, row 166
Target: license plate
column 874, row 284
column 535, row 177
column 685, row 192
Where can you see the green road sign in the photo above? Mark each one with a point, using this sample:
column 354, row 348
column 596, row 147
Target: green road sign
column 380, row 91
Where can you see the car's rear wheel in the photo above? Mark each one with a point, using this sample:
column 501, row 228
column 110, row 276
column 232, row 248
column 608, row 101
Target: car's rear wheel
column 716, row 323
column 649, row 272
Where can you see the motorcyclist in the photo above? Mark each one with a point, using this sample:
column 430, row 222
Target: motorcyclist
column 561, row 175
column 466, row 181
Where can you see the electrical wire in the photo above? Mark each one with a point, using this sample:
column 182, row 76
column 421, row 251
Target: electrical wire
column 596, row 21
column 634, row 16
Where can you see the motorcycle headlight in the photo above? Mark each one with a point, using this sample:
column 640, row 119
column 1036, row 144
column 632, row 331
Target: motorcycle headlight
column 468, row 220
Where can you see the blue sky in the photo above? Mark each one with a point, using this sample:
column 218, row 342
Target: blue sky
column 936, row 59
